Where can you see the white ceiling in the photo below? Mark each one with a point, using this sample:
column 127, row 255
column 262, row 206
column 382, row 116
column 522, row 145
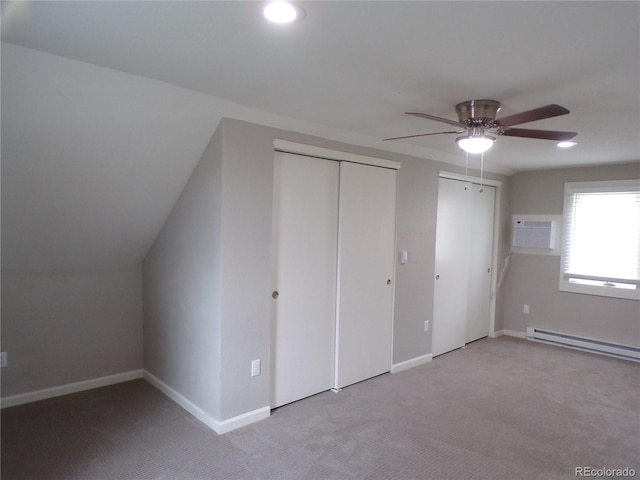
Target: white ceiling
column 109, row 150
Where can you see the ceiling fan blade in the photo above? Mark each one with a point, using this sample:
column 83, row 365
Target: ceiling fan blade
column 547, row 111
column 437, row 119
column 419, row 135
column 542, row 134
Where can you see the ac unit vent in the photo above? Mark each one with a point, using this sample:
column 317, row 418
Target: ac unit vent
column 533, row 234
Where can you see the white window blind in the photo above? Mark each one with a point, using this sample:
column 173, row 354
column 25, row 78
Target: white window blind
column 601, row 246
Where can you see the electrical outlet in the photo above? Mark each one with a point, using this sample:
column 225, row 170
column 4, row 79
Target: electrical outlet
column 4, row 359
column 255, row 368
column 525, row 309
column 426, row 325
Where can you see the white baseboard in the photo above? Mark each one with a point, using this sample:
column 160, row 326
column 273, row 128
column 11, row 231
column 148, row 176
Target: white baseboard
column 213, row 423
column 414, row 362
column 185, row 403
column 243, row 420
column 216, row 425
column 508, row 333
column 58, row 391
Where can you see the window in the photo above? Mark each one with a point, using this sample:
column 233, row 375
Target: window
column 601, row 250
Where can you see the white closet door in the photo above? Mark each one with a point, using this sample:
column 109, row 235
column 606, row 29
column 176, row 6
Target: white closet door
column 305, row 224
column 480, row 260
column 464, row 252
column 451, row 267
column 366, row 272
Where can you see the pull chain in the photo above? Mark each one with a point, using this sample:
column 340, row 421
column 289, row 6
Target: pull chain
column 481, row 172
column 466, row 163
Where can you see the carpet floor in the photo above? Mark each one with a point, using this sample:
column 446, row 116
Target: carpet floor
column 498, row 409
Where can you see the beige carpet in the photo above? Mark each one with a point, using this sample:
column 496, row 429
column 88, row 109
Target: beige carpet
column 499, row 409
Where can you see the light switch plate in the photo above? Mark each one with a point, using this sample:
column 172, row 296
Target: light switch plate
column 255, row 368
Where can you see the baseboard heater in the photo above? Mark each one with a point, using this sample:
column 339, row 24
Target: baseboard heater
column 587, row 344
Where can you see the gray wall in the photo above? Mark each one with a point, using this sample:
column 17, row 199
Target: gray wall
column 232, row 189
column 246, row 266
column 533, row 279
column 415, row 233
column 182, row 289
column 67, row 326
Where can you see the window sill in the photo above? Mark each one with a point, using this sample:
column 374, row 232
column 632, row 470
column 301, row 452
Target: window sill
column 602, row 291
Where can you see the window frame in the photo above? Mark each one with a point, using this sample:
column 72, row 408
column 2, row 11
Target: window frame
column 566, row 285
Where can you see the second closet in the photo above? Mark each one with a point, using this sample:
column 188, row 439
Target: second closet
column 333, row 274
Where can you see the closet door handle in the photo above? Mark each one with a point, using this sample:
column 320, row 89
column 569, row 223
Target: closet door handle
column 275, row 294
column 388, row 281
column 437, row 277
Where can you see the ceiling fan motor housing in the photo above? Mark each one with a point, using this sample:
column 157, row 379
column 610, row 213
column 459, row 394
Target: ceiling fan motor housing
column 478, row 113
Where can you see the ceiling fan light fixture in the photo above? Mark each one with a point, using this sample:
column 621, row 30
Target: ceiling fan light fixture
column 475, row 143
column 280, row 11
column 567, row 144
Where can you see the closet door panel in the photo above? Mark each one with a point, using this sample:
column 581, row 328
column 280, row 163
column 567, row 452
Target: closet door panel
column 452, row 260
column 464, row 250
column 480, row 260
column 305, row 232
column 365, row 272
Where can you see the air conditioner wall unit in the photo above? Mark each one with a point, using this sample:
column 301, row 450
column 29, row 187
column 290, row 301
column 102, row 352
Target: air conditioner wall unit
column 533, row 233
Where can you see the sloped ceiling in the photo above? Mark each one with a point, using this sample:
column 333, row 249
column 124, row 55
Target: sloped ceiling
column 107, row 106
column 92, row 160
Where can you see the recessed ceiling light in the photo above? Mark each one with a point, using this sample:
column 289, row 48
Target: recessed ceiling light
column 280, row 11
column 567, row 144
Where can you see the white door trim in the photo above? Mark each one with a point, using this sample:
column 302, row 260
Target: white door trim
column 468, row 178
column 329, row 154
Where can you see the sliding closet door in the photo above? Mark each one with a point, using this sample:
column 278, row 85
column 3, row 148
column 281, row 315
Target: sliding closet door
column 464, row 253
column 305, row 232
column 452, row 260
column 480, row 260
column 365, row 272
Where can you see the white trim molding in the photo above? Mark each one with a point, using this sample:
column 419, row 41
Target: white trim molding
column 468, row 178
column 243, row 420
column 414, row 362
column 329, row 154
column 181, row 400
column 218, row 426
column 508, row 333
column 75, row 387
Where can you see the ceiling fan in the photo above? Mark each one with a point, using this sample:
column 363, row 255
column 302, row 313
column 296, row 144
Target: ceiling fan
column 478, row 117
